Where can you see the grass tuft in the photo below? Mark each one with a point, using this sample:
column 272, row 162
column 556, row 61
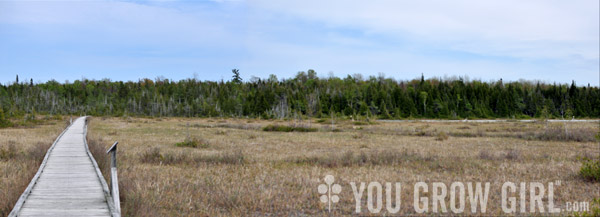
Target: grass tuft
column 235, row 157
column 38, row 152
column 512, row 154
column 358, row 136
column 486, row 155
column 349, row 158
column 156, row 156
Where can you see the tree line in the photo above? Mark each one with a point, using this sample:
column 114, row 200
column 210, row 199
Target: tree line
column 306, row 94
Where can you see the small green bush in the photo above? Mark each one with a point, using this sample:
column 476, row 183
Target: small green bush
column 277, row 128
column 187, row 143
column 283, row 128
column 193, row 143
column 590, row 170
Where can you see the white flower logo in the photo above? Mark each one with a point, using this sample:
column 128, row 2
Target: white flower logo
column 328, row 189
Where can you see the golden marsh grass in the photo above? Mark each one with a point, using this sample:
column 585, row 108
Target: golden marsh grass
column 246, row 171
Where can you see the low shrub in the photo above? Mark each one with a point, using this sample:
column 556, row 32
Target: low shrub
column 334, row 130
column 441, row 136
column 590, row 170
column 187, row 143
column 193, row 143
column 151, row 155
column 283, row 128
column 420, row 133
column 8, row 152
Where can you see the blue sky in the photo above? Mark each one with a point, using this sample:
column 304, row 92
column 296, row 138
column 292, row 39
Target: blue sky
column 546, row 40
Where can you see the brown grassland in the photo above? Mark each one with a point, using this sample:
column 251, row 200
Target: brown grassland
column 236, row 168
column 22, row 149
column 239, row 169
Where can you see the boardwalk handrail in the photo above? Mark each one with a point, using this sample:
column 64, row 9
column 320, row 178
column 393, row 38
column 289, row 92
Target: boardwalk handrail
column 110, row 201
column 17, row 208
column 114, row 180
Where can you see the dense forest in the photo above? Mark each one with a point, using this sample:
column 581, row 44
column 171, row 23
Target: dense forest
column 304, row 95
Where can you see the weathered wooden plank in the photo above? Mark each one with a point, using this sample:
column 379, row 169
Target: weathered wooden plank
column 77, row 177
column 53, row 198
column 66, row 204
column 66, row 191
column 68, row 182
column 65, row 212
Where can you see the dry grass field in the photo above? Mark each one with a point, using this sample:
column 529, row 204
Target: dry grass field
column 22, row 150
column 237, row 168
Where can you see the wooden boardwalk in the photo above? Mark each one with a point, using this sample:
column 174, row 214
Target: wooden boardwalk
column 68, row 182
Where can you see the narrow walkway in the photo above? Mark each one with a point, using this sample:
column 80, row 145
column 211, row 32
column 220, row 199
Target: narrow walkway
column 67, row 183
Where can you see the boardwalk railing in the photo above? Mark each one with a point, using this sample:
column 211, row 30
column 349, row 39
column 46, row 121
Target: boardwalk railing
column 113, row 204
column 114, row 179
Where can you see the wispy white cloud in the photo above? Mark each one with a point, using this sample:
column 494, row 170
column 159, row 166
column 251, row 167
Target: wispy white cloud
column 119, row 22
column 546, row 40
column 508, row 27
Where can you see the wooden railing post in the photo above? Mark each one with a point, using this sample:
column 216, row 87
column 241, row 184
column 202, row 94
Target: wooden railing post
column 114, row 180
